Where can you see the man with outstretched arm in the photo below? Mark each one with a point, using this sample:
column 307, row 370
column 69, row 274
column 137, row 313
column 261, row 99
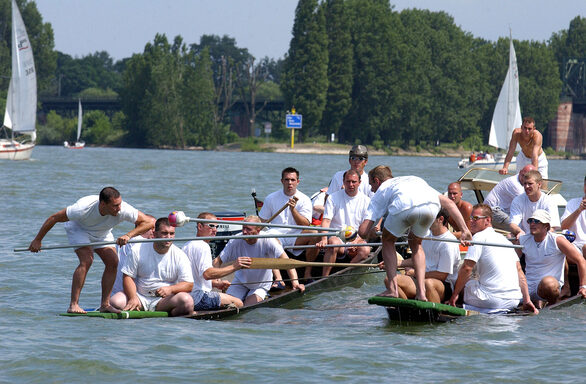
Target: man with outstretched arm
column 530, row 140
column 412, row 205
column 89, row 220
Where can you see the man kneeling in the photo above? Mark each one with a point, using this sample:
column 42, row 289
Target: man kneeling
column 157, row 276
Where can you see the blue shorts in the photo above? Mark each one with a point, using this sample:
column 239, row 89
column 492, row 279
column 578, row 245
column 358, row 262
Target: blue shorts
column 209, row 300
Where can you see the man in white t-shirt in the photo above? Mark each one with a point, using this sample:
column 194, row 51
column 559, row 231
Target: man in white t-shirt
column 297, row 212
column 89, row 220
column 250, row 285
column 574, row 219
column 442, row 259
column 500, row 198
column 411, row 205
column 545, row 259
column 200, row 256
column 346, row 207
column 525, row 204
column 157, row 276
column 501, row 283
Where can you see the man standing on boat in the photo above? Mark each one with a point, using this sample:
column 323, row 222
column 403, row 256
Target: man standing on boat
column 250, row 285
column 501, row 283
column 157, row 276
column 574, row 219
column 499, row 199
column 530, row 140
column 200, row 256
column 298, row 211
column 545, row 259
column 344, row 208
column 465, row 208
column 525, row 204
column 91, row 219
column 412, row 205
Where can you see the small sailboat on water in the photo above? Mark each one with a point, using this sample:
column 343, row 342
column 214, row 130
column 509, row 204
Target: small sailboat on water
column 21, row 101
column 506, row 117
column 78, row 143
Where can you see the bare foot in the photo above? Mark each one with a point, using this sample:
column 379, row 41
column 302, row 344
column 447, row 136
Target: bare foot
column 75, row 308
column 109, row 309
column 388, row 293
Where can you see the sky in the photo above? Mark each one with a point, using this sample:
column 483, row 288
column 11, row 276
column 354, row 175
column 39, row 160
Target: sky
column 123, row 27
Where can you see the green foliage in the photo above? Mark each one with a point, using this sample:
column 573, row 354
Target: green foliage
column 98, row 129
column 56, row 130
column 97, row 92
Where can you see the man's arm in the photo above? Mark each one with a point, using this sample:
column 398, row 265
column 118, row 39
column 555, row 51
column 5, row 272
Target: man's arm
column 574, row 256
column 182, row 286
column 298, row 217
column 365, row 228
column 510, row 152
column 572, row 217
column 538, row 142
column 219, row 270
column 142, row 224
column 132, row 300
column 527, row 303
column 58, row 217
column 454, row 212
column 463, row 276
column 325, row 223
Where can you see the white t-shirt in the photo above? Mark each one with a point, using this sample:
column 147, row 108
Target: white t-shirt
column 542, row 259
column 318, row 200
column 268, row 248
column 345, row 210
column 200, row 256
column 522, row 208
column 398, row 194
column 504, row 192
column 151, row 270
column 123, row 253
column 579, row 227
column 85, row 213
column 337, row 184
column 496, row 266
column 442, row 256
column 276, row 200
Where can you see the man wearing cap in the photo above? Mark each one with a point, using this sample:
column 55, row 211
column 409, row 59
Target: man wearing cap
column 501, row 282
column 574, row 219
column 545, row 258
column 358, row 158
column 525, row 204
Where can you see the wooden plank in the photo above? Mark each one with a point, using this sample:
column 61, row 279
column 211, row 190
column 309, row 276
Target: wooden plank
column 120, row 316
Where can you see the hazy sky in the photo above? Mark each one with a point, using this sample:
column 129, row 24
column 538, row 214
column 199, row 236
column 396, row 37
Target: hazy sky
column 123, row 27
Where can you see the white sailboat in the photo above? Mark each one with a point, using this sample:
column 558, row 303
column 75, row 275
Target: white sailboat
column 506, row 117
column 21, row 101
column 78, row 144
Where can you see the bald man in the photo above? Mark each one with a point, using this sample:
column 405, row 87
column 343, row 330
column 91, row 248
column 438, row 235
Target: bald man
column 465, row 208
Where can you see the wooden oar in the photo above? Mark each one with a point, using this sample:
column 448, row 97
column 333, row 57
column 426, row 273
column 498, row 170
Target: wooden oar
column 475, row 243
column 101, row 243
column 279, row 263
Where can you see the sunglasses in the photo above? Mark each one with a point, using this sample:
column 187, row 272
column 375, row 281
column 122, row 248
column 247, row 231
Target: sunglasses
column 212, row 225
column 476, row 218
column 361, row 158
column 533, row 221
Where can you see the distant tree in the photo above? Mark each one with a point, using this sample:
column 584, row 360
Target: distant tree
column 250, row 78
column 96, row 70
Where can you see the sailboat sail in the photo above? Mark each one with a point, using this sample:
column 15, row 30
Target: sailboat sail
column 507, row 113
column 79, row 118
column 21, row 102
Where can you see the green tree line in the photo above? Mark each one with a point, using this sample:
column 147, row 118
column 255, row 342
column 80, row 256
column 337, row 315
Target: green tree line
column 355, row 68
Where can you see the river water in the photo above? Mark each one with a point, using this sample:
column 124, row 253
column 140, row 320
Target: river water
column 331, row 335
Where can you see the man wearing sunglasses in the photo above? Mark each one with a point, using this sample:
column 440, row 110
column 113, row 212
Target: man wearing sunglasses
column 545, row 258
column 358, row 158
column 200, row 256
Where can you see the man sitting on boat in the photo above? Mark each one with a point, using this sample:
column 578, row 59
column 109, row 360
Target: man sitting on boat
column 499, row 199
column 200, row 256
column 91, row 219
column 545, row 259
column 465, row 208
column 442, row 259
column 250, row 285
column 157, row 276
column 574, row 219
column 501, row 283
column 298, row 211
column 412, row 206
column 530, row 140
column 344, row 208
column 525, row 204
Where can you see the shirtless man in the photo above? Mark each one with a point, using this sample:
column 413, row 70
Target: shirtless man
column 530, row 140
column 465, row 208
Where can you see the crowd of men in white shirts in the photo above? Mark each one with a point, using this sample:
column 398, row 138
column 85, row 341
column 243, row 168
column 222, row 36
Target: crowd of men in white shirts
column 161, row 276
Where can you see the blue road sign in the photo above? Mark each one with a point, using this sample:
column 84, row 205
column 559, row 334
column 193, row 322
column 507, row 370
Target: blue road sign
column 293, row 121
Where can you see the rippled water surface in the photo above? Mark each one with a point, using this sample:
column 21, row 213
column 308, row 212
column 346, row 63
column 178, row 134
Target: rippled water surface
column 331, row 335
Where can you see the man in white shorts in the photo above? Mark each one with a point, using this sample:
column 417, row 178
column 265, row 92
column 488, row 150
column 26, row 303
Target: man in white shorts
column 250, row 285
column 574, row 219
column 200, row 257
column 346, row 207
column 525, row 204
column 545, row 259
column 442, row 259
column 500, row 198
column 531, row 141
column 90, row 220
column 412, row 205
column 157, row 276
column 298, row 212
column 501, row 283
